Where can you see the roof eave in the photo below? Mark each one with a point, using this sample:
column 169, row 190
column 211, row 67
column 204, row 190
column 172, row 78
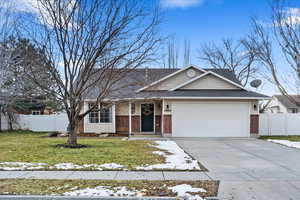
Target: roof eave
column 186, row 98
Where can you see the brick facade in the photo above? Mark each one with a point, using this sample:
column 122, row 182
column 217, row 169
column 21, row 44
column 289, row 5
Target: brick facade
column 254, row 124
column 167, row 123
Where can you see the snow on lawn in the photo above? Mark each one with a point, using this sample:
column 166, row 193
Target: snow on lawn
column 94, row 166
column 185, row 190
column 176, row 158
column 64, row 166
column 104, row 191
column 21, row 166
column 286, row 143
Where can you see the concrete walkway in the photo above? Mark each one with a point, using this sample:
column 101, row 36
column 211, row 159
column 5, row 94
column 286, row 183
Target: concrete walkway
column 105, row 175
column 248, row 168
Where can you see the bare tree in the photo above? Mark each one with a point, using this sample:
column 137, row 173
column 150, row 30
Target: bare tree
column 90, row 46
column 6, row 28
column 237, row 56
column 7, row 19
column 173, row 54
column 283, row 34
column 187, row 53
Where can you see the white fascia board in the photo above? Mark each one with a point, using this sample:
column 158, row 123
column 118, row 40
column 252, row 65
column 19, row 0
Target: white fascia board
column 221, row 98
column 193, row 98
column 169, row 76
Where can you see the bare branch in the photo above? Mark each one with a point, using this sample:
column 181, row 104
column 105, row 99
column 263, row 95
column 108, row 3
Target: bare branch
column 91, row 45
column 238, row 57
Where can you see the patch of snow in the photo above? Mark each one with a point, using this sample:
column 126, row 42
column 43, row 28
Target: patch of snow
column 104, row 192
column 286, row 143
column 184, row 190
column 66, row 166
column 160, row 153
column 176, row 159
column 10, row 166
column 95, row 166
column 111, row 166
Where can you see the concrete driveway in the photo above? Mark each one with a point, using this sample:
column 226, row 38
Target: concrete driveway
column 248, row 168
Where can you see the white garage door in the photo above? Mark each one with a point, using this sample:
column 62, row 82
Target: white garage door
column 206, row 119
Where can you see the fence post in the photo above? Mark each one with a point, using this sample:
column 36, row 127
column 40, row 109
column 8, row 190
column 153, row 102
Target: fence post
column 285, row 124
column 269, row 123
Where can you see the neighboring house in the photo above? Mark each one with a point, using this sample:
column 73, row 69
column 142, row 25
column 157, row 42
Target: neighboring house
column 29, row 106
column 36, row 106
column 188, row 102
column 282, row 104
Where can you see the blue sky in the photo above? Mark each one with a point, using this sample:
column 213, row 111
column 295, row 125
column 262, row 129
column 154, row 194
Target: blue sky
column 203, row 21
column 211, row 20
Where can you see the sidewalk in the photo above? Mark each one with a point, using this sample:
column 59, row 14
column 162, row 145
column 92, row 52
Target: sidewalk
column 106, row 175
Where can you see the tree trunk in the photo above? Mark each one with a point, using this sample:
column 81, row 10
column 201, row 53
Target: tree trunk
column 0, row 118
column 72, row 140
column 10, row 123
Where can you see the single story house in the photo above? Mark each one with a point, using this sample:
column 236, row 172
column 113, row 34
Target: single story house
column 34, row 105
column 187, row 102
column 282, row 104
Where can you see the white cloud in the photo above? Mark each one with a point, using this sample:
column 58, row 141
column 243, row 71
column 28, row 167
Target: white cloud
column 292, row 11
column 180, row 3
column 30, row 6
column 292, row 17
column 34, row 7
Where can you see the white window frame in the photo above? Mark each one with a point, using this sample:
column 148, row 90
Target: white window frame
column 95, row 115
column 109, row 115
column 36, row 112
column 99, row 121
column 293, row 110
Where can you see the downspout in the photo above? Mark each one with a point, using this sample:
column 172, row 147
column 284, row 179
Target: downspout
column 162, row 117
column 129, row 116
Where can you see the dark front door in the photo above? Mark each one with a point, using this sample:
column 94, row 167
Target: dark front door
column 147, row 117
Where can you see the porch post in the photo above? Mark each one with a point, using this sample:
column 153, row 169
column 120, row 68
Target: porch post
column 162, row 117
column 129, row 116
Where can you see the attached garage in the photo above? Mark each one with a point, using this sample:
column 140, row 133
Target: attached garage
column 210, row 119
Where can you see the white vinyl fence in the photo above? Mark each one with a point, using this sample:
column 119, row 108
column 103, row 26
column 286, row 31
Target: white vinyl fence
column 4, row 122
column 58, row 122
column 279, row 124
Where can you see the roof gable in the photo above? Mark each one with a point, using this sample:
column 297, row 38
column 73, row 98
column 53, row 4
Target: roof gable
column 285, row 101
column 209, row 80
column 172, row 80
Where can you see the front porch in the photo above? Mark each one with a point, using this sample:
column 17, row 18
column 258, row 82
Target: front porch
column 144, row 117
column 130, row 118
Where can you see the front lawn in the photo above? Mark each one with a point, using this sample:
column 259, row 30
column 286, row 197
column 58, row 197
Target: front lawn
column 289, row 141
column 109, row 188
column 293, row 138
column 24, row 150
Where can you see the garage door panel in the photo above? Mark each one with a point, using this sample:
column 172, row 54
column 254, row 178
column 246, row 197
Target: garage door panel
column 204, row 119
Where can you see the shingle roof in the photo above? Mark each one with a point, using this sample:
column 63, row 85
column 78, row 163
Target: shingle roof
column 139, row 78
column 226, row 73
column 287, row 102
column 201, row 93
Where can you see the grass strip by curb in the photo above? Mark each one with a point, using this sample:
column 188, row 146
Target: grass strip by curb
column 59, row 187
